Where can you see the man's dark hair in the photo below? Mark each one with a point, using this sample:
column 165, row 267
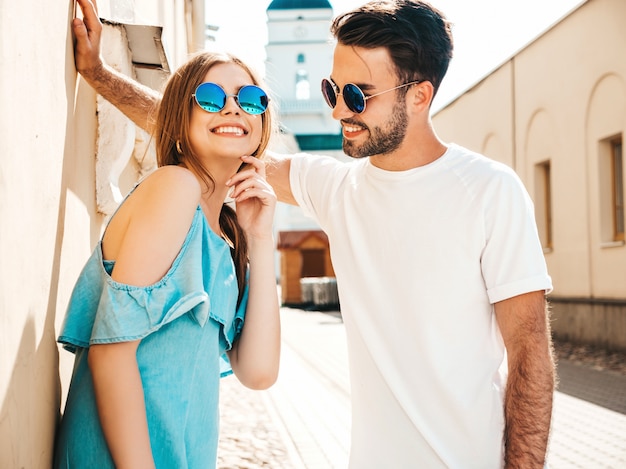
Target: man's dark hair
column 417, row 36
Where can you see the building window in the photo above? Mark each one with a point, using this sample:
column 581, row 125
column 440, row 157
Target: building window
column 303, row 86
column 543, row 203
column 611, row 185
column 617, row 188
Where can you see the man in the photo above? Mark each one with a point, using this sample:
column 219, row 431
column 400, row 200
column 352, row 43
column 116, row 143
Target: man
column 440, row 272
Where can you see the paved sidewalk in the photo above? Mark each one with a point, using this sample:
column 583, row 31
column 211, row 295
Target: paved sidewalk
column 303, row 421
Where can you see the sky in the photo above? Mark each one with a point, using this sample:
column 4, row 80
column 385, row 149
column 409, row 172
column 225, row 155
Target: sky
column 486, row 32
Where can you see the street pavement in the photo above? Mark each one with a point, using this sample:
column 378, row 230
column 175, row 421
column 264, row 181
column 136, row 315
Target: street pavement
column 303, row 421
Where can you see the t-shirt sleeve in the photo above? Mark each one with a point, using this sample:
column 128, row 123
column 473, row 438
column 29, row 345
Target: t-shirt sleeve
column 313, row 180
column 512, row 262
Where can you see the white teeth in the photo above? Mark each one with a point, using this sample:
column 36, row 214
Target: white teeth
column 229, row 130
column 352, row 128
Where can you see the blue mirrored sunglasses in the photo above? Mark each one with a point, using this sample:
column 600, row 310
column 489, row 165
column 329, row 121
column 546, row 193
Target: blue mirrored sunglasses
column 212, row 98
column 353, row 96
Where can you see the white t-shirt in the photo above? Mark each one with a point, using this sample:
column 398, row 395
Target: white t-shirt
column 420, row 257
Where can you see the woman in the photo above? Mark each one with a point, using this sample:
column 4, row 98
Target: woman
column 166, row 291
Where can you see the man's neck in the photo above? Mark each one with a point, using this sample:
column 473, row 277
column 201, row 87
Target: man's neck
column 410, row 155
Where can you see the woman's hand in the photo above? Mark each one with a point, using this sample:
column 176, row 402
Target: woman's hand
column 255, row 199
column 255, row 356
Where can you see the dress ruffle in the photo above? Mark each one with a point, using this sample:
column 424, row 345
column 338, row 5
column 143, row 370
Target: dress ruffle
column 201, row 282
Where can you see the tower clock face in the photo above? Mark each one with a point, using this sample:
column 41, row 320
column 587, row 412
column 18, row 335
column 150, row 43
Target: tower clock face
column 299, row 32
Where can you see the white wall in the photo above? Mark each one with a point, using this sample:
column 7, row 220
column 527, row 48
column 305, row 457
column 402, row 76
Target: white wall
column 48, row 218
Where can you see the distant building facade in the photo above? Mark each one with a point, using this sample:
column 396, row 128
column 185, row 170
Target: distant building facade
column 299, row 54
column 556, row 113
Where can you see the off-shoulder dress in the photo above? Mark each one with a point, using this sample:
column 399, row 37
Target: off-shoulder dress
column 185, row 322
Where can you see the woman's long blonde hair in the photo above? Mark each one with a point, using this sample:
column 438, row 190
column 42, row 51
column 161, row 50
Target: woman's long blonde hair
column 173, row 146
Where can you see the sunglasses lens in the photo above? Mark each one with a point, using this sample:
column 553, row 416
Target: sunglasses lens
column 354, row 98
column 210, row 97
column 328, row 91
column 252, row 99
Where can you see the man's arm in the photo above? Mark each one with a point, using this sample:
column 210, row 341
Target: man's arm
column 139, row 102
column 136, row 101
column 525, row 328
column 277, row 168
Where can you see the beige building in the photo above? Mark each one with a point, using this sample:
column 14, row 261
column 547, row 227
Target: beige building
column 54, row 195
column 556, row 113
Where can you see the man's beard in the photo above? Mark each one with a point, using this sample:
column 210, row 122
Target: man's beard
column 382, row 140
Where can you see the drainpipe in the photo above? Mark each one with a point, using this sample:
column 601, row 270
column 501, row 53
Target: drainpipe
column 514, row 117
column 198, row 25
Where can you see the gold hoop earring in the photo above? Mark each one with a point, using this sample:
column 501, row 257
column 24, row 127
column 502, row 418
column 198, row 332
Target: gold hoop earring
column 178, row 149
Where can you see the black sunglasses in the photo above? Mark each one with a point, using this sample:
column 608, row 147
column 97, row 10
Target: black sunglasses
column 212, row 98
column 353, row 96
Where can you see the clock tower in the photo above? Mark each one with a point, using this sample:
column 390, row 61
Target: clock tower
column 299, row 54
